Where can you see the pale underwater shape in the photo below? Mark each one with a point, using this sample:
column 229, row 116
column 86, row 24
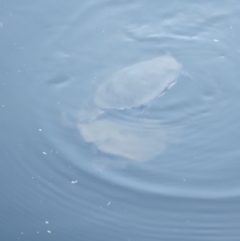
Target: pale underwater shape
column 141, row 141
column 131, row 87
column 138, row 84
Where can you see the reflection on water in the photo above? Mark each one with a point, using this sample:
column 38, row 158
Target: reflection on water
column 140, row 141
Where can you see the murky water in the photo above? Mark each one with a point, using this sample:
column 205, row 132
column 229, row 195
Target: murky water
column 91, row 148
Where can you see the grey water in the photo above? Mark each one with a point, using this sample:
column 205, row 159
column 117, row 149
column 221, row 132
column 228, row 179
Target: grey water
column 91, row 148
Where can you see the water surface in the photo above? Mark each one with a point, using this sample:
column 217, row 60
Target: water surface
column 57, row 185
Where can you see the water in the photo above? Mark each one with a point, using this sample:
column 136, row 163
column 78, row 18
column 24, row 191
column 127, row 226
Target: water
column 55, row 185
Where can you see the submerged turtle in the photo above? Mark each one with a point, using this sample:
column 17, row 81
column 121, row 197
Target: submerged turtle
column 133, row 86
column 130, row 87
